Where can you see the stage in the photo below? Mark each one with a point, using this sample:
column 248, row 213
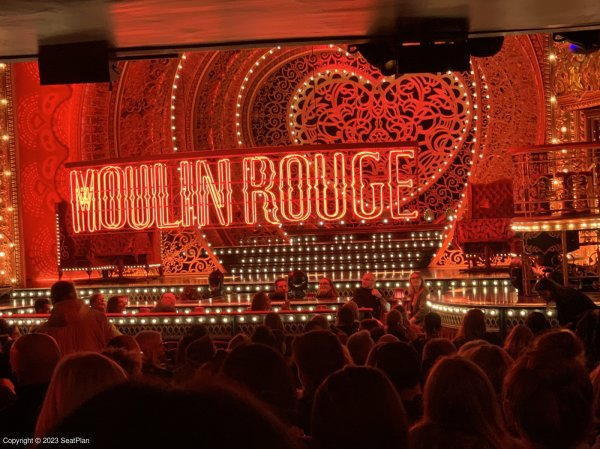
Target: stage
column 452, row 294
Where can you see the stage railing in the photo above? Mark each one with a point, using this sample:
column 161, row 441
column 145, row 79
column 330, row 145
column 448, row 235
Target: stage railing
column 557, row 180
column 497, row 319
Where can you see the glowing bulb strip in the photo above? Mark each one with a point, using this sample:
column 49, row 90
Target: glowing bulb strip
column 241, row 92
column 174, row 87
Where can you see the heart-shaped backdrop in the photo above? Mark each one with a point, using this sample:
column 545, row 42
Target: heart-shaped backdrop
column 337, row 106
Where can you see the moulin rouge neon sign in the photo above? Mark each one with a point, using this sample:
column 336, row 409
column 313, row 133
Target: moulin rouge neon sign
column 288, row 185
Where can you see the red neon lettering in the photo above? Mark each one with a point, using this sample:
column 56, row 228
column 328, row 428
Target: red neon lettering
column 112, row 203
column 83, row 201
column 366, row 206
column 138, row 197
column 323, row 186
column 160, row 190
column 220, row 197
column 259, row 175
column 294, row 190
column 396, row 183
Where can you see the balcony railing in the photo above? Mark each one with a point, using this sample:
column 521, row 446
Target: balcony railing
column 557, row 180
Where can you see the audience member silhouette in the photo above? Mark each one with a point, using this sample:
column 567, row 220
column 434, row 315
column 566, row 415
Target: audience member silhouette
column 33, row 358
column 518, row 341
column 77, row 378
column 357, row 407
column 73, row 325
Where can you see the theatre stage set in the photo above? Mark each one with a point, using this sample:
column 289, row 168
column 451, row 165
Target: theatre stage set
column 255, row 162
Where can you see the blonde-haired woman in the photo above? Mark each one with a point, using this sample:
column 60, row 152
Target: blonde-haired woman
column 417, row 294
column 77, row 378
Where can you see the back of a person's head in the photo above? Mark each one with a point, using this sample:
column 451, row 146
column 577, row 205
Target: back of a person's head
column 168, row 299
column 33, row 358
column 319, row 321
column 317, row 354
column 493, row 360
column 588, row 330
column 550, row 405
column 364, row 397
column 62, row 290
column 273, row 321
column 518, row 340
column 432, row 323
column 359, row 345
column 150, row 342
column 41, row 305
column 357, row 407
column 472, row 344
column 400, row 361
column 345, row 315
column 556, row 345
column 473, row 324
column 199, row 417
column 458, row 395
column 436, row 348
column 393, row 319
column 537, row 322
column 129, row 360
column 266, row 374
column 193, row 333
column 264, row 335
column 200, row 351
column 369, row 324
column 77, row 378
column 112, row 305
column 260, row 301
column 124, row 341
column 240, row 339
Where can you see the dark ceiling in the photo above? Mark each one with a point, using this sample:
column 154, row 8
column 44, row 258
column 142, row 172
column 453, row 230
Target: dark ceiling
column 154, row 26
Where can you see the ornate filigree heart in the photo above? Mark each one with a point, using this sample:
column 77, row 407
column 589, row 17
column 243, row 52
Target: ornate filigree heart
column 337, row 106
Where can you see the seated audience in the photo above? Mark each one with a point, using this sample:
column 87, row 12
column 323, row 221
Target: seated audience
column 460, row 410
column 193, row 333
column 130, row 361
column 73, row 325
column 326, row 289
column 77, row 378
column 345, row 320
column 435, row 349
column 518, row 341
column 493, row 361
column 571, row 304
column 417, row 295
column 537, row 322
column 402, row 364
column 281, row 290
column 432, row 326
column 260, row 302
column 116, row 304
column 358, row 408
column 316, row 354
column 42, row 306
column 33, row 358
column 265, row 336
column 473, row 328
column 396, row 325
column 166, row 304
column 359, row 345
column 151, row 416
column 240, row 339
column 588, row 330
column 154, row 356
column 98, row 302
column 267, row 375
column 549, row 402
column 559, row 345
column 369, row 297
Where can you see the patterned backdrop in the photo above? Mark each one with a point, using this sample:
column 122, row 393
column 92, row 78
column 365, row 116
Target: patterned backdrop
column 220, row 100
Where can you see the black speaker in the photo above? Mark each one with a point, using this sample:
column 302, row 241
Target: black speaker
column 74, row 63
column 433, row 57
